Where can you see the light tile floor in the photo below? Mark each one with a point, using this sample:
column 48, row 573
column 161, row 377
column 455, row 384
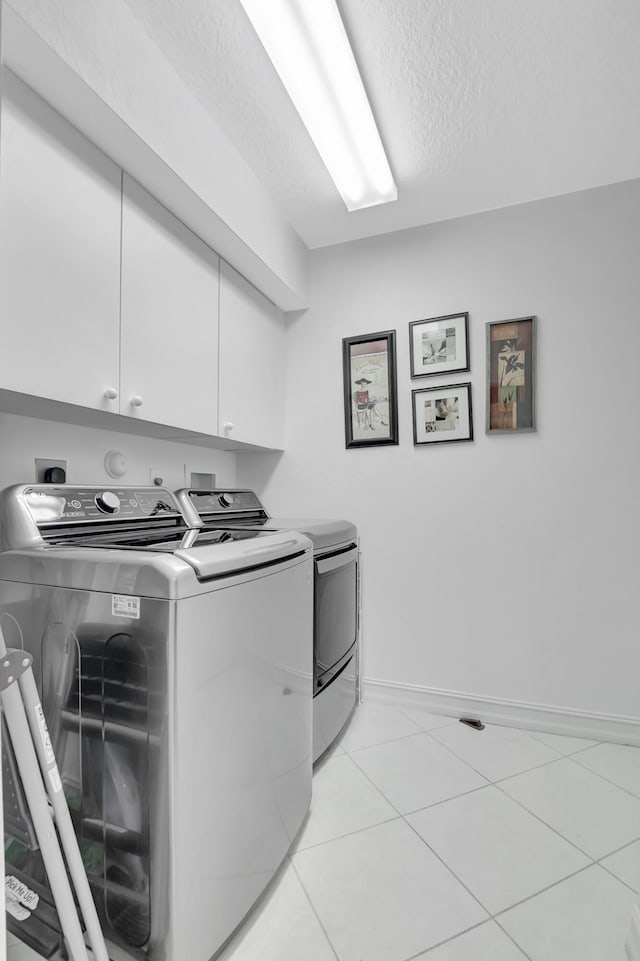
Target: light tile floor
column 430, row 841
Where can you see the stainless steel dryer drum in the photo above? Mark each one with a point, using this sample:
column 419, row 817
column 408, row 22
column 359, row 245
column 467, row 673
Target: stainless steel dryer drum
column 179, row 700
column 336, row 597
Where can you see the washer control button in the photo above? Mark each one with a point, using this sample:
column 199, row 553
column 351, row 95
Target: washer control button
column 108, row 502
column 227, row 500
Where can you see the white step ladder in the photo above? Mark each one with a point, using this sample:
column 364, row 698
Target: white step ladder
column 52, row 826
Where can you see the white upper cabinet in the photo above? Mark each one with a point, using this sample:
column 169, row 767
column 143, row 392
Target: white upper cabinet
column 169, row 333
column 108, row 301
column 252, row 363
column 59, row 256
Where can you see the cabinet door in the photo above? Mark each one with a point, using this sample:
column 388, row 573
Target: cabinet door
column 252, row 363
column 169, row 335
column 59, row 256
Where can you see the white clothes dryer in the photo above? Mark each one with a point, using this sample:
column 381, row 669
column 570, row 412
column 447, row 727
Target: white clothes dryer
column 336, row 653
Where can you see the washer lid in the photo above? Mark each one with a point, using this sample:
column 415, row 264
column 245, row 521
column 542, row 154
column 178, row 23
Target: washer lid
column 210, row 552
column 248, row 554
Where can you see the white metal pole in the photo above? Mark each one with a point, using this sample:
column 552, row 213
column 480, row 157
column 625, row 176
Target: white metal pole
column 3, row 916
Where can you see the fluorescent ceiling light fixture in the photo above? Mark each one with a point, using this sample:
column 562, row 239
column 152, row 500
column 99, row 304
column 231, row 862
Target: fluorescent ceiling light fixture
column 307, row 44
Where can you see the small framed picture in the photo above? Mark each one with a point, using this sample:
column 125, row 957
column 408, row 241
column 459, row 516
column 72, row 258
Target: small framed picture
column 511, row 369
column 442, row 414
column 439, row 345
column 370, row 397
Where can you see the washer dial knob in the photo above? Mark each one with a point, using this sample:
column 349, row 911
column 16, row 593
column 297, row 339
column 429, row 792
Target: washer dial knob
column 227, row 500
column 108, row 502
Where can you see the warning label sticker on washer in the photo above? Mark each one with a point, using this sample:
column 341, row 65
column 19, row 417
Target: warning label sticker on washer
column 122, row 605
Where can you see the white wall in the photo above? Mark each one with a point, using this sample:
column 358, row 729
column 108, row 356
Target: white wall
column 506, row 567
column 22, row 439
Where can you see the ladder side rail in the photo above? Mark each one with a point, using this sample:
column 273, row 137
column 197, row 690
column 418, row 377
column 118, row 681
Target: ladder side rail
column 62, row 817
column 29, row 768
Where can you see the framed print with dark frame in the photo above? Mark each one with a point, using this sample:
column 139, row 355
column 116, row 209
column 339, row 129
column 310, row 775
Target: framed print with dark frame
column 511, row 371
column 370, row 397
column 442, row 414
column 439, row 345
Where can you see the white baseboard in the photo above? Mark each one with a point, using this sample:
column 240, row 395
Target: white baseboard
column 632, row 944
column 535, row 717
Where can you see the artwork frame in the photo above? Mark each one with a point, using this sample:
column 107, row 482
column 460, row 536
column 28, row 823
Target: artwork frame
column 511, row 376
column 442, row 414
column 439, row 345
column 370, row 412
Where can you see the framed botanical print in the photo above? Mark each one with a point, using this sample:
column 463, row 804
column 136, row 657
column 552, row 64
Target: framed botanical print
column 442, row 414
column 439, row 345
column 511, row 371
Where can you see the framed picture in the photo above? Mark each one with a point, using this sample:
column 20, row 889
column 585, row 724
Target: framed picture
column 370, row 399
column 439, row 345
column 511, row 370
column 442, row 414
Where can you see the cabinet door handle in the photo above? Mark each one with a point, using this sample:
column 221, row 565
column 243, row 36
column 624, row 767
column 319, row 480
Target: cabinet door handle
column 228, row 425
column 137, row 401
column 111, row 393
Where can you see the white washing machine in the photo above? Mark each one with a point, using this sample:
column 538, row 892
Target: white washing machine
column 179, row 701
column 336, row 597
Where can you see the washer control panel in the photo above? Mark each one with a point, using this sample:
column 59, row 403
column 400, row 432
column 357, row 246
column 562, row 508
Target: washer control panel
column 52, row 504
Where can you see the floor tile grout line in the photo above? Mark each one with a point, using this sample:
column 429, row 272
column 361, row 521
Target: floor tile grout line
column 313, row 908
column 585, row 767
column 524, row 953
column 617, row 850
column 378, row 789
column 391, row 740
column 570, row 757
column 496, row 917
column 501, row 781
column 454, row 797
column 490, row 914
column 560, row 757
column 496, row 914
column 434, row 947
column 480, row 787
column 395, row 808
column 509, row 777
column 449, row 868
column 535, row 734
column 524, row 807
column 613, row 875
column 403, row 814
column 347, row 834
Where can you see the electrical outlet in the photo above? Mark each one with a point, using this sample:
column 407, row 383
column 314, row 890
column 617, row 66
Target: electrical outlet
column 43, row 464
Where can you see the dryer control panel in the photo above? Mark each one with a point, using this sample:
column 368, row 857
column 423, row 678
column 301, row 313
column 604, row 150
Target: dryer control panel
column 208, row 502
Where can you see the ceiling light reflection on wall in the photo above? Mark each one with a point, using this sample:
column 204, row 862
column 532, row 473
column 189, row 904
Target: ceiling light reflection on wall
column 307, row 44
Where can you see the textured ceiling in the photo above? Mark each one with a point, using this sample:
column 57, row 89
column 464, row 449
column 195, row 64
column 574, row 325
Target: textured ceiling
column 480, row 103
